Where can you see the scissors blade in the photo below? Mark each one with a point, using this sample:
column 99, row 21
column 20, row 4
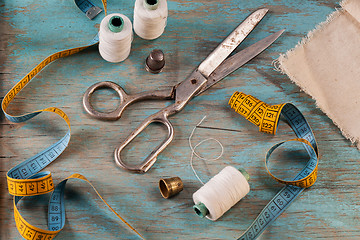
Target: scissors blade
column 231, row 42
column 239, row 59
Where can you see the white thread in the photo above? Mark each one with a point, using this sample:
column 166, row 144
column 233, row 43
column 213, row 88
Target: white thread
column 115, row 46
column 276, row 65
column 222, row 192
column 193, row 152
column 150, row 23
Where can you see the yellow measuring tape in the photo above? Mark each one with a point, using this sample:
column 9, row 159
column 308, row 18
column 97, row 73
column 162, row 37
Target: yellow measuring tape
column 25, row 179
column 266, row 117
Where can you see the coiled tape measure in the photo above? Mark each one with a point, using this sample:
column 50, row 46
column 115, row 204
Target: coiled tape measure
column 26, row 179
column 267, row 118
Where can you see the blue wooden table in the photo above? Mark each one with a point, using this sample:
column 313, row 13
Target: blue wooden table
column 32, row 30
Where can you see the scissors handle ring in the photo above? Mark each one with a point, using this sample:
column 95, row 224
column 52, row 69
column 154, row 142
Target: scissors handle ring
column 143, row 167
column 114, row 115
column 125, row 99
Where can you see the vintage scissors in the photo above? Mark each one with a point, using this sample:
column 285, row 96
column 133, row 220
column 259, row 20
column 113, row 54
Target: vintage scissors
column 213, row 69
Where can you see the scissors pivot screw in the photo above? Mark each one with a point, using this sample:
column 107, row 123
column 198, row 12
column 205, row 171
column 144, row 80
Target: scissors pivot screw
column 155, row 61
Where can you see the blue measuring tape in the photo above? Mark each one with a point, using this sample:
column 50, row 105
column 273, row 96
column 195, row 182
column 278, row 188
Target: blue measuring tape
column 267, row 118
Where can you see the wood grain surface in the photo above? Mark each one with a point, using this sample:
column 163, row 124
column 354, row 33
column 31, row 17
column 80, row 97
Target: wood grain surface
column 32, row 30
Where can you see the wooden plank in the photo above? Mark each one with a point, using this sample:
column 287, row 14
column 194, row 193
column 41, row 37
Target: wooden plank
column 33, row 30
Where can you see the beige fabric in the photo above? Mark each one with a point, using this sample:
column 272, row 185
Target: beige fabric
column 326, row 65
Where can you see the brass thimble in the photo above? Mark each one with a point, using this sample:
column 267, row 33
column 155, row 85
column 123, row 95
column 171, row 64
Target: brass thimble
column 170, row 186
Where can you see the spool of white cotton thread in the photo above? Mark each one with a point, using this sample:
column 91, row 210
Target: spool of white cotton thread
column 221, row 192
column 150, row 18
column 115, row 37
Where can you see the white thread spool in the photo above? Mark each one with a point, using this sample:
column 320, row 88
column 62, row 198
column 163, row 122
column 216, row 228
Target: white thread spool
column 150, row 18
column 222, row 192
column 115, row 37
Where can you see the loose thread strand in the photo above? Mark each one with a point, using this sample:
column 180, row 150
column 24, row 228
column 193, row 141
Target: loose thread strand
column 193, row 152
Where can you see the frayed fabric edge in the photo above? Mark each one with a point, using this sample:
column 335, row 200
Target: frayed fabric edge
column 318, row 28
column 279, row 67
column 346, row 134
column 306, row 39
column 344, row 2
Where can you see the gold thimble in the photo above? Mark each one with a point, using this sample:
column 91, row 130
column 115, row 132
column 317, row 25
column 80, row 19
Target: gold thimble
column 170, row 186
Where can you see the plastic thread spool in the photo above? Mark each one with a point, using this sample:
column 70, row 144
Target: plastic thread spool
column 151, row 4
column 115, row 37
column 116, row 24
column 201, row 210
column 211, row 199
column 150, row 18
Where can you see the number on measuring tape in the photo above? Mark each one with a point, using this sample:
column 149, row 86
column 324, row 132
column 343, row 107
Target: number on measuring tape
column 266, row 117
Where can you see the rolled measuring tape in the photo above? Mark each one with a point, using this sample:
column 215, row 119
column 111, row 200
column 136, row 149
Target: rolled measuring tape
column 25, row 179
column 266, row 117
